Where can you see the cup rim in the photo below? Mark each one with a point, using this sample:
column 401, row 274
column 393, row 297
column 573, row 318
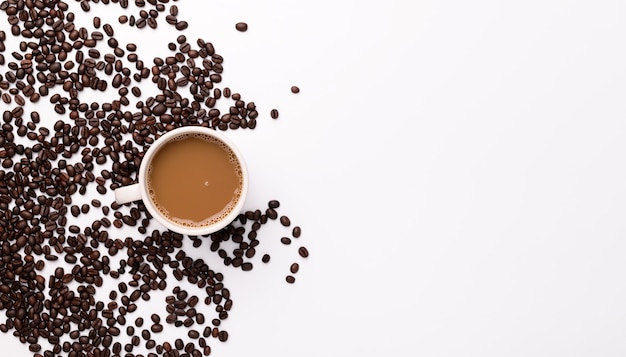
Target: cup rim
column 145, row 196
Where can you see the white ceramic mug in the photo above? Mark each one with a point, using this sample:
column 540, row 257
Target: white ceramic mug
column 139, row 191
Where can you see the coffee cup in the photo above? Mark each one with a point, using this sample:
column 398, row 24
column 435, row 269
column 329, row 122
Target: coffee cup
column 193, row 180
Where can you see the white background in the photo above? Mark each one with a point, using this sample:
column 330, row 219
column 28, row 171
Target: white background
column 457, row 168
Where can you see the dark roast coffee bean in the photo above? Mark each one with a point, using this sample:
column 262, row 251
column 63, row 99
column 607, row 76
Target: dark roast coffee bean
column 155, row 318
column 274, row 113
column 295, row 89
column 285, row 221
column 290, row 279
column 303, row 252
column 241, row 26
column 75, row 211
column 266, row 258
column 273, row 204
column 294, row 268
column 181, row 25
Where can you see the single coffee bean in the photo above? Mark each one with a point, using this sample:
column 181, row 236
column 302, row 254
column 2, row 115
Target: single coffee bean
column 290, row 279
column 181, row 25
column 274, row 113
column 284, row 220
column 75, row 210
column 294, row 268
column 303, row 252
column 273, row 204
column 241, row 26
column 156, row 328
column 295, row 89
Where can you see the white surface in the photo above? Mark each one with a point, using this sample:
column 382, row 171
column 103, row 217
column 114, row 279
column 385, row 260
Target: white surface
column 457, row 168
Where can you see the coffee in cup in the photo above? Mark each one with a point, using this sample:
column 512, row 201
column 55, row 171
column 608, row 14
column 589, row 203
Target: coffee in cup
column 192, row 179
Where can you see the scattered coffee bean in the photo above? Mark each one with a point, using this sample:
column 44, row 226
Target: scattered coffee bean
column 241, row 26
column 285, row 221
column 273, row 204
column 295, row 89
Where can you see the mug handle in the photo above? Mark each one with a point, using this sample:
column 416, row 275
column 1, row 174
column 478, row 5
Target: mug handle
column 128, row 193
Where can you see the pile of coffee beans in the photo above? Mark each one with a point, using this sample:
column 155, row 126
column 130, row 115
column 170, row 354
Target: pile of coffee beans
column 60, row 246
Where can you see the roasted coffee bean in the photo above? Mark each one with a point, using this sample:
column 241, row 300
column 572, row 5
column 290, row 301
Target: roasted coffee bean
column 192, row 301
column 129, row 220
column 200, row 318
column 222, row 335
column 273, row 204
column 303, row 252
column 271, row 213
column 155, row 318
column 285, row 221
column 181, row 25
column 171, row 318
column 290, row 279
column 266, row 258
column 179, row 344
column 241, row 26
column 75, row 210
column 295, row 89
column 294, row 268
column 156, row 328
column 274, row 113
column 285, row 240
column 296, row 232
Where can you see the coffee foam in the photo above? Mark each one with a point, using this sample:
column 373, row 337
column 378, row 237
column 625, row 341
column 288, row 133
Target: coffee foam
column 227, row 209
